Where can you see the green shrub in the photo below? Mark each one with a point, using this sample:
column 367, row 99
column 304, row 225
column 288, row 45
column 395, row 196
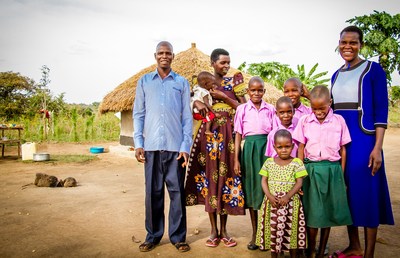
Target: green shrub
column 394, row 95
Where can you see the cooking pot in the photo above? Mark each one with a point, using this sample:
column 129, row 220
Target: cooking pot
column 41, row 156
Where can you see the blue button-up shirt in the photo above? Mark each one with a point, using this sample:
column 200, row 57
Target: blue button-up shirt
column 162, row 118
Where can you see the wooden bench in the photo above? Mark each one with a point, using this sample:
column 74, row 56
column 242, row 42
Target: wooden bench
column 10, row 142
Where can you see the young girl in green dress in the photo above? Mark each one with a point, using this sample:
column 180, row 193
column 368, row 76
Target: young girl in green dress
column 253, row 123
column 282, row 226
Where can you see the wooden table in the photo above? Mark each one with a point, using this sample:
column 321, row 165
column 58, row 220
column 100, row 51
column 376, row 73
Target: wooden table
column 5, row 140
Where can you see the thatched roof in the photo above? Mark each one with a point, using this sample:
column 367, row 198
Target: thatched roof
column 187, row 63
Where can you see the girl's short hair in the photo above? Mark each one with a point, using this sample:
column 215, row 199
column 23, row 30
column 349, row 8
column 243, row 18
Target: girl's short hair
column 284, row 99
column 256, row 79
column 296, row 81
column 283, row 133
column 320, row 91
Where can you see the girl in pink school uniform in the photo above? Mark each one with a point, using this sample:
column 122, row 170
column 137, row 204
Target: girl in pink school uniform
column 282, row 226
column 294, row 89
column 253, row 122
column 284, row 112
column 322, row 137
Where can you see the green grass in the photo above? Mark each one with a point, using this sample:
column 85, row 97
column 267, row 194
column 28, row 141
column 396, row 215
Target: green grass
column 62, row 129
column 394, row 116
column 70, row 158
column 73, row 158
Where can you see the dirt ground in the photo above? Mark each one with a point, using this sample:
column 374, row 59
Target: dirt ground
column 100, row 216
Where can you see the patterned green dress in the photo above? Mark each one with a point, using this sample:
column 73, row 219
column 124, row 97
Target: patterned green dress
column 282, row 228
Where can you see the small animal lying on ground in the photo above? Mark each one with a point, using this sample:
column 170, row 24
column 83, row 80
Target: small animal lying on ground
column 68, row 182
column 44, row 180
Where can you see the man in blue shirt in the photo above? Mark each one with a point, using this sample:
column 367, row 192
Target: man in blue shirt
column 163, row 137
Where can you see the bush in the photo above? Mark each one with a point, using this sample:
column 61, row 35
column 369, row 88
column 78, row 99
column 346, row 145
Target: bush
column 394, row 95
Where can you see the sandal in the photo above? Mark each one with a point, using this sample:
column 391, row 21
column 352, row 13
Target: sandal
column 229, row 242
column 252, row 246
column 182, row 247
column 212, row 242
column 340, row 254
column 147, row 246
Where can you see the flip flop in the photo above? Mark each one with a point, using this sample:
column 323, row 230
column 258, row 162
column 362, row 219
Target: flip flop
column 229, row 242
column 182, row 247
column 340, row 254
column 212, row 242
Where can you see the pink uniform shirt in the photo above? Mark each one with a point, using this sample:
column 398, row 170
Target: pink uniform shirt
column 252, row 121
column 322, row 141
column 270, row 151
column 301, row 111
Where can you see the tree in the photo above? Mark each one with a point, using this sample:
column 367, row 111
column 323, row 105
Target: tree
column 273, row 72
column 45, row 103
column 15, row 93
column 381, row 38
column 44, row 95
column 21, row 96
column 310, row 79
column 277, row 73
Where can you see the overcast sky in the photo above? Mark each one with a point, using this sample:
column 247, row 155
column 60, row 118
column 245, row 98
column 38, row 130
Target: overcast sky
column 91, row 46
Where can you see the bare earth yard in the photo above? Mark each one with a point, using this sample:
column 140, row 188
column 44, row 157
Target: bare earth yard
column 100, row 216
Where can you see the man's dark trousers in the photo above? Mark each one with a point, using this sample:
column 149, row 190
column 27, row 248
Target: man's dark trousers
column 162, row 168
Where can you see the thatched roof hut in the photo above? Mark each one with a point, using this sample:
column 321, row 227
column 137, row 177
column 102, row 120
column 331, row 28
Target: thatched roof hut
column 188, row 64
